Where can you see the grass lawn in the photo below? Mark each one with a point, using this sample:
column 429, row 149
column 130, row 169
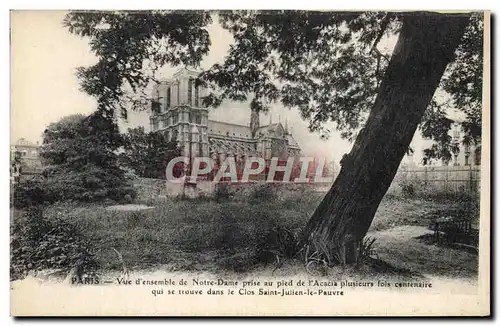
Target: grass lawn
column 225, row 236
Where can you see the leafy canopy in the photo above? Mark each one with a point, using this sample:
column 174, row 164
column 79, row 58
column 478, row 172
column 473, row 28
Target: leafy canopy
column 147, row 154
column 129, row 45
column 79, row 154
column 327, row 65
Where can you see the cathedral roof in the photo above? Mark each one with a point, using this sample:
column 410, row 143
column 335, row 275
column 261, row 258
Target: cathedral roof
column 230, row 146
column 180, row 73
column 292, row 142
column 272, row 128
column 228, row 129
column 236, row 139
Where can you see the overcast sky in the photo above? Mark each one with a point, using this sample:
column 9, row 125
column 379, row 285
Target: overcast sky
column 44, row 88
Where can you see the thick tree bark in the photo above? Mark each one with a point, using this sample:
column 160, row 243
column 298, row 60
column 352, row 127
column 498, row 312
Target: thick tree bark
column 426, row 45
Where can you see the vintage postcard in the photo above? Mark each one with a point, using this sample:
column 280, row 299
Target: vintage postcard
column 250, row 163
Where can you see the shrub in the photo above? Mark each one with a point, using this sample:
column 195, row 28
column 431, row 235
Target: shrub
column 30, row 192
column 263, row 192
column 127, row 198
column 80, row 160
column 39, row 243
column 278, row 244
column 222, row 191
column 89, row 185
column 407, row 189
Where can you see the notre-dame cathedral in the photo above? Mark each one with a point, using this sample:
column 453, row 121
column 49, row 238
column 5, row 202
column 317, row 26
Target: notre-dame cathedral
column 178, row 113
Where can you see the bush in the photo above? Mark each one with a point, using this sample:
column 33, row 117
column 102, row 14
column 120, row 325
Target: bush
column 407, row 189
column 263, row 192
column 39, row 243
column 90, row 184
column 80, row 160
column 30, row 192
column 70, row 187
column 278, row 243
column 222, row 191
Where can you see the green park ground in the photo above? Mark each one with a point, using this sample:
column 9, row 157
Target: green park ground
column 238, row 236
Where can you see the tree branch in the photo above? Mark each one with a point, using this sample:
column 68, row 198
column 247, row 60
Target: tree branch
column 383, row 26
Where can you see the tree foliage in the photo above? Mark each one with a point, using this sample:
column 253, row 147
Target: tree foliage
column 327, row 65
column 40, row 242
column 81, row 163
column 17, row 165
column 462, row 83
column 131, row 44
column 147, row 154
column 314, row 61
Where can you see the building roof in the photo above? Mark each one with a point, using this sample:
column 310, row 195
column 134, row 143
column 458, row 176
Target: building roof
column 292, row 142
column 276, row 130
column 179, row 73
column 233, row 138
column 230, row 146
column 230, row 129
column 264, row 128
column 26, row 143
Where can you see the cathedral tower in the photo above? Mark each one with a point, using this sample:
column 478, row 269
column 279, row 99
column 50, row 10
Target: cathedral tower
column 178, row 114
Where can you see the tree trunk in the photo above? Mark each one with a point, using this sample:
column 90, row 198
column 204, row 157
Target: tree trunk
column 426, row 45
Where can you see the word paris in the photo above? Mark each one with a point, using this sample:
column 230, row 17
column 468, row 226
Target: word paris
column 298, row 170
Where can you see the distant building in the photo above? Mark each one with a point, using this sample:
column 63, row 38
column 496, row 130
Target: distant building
column 178, row 114
column 468, row 155
column 29, row 157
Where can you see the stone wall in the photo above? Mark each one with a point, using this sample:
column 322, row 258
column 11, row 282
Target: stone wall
column 448, row 179
column 157, row 188
column 438, row 179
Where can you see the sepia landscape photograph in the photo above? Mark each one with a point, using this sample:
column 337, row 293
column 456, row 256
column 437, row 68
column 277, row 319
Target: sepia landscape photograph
column 249, row 156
